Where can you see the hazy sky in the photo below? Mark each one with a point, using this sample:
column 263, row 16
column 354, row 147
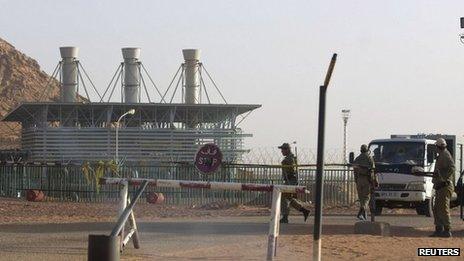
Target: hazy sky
column 400, row 67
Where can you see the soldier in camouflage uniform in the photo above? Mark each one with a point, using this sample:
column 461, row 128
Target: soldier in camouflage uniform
column 365, row 180
column 443, row 183
column 290, row 178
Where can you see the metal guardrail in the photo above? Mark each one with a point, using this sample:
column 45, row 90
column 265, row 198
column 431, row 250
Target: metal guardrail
column 68, row 183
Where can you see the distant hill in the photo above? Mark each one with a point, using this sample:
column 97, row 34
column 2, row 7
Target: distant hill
column 21, row 79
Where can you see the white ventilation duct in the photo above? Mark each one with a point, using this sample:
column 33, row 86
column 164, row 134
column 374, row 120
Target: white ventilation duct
column 192, row 75
column 69, row 73
column 131, row 76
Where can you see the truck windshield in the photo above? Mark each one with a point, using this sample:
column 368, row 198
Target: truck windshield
column 411, row 153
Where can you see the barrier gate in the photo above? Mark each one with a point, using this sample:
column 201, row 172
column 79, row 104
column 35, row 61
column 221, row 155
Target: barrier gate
column 125, row 213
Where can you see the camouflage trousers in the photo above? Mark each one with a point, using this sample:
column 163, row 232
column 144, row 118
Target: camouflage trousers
column 363, row 186
column 288, row 200
column 441, row 208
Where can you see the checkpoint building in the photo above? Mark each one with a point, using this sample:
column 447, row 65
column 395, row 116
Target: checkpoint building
column 76, row 130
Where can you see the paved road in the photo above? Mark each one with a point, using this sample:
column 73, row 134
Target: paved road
column 178, row 239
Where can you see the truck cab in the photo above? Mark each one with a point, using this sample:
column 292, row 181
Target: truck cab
column 397, row 160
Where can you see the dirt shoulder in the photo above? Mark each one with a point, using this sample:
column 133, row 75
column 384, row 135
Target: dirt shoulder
column 21, row 211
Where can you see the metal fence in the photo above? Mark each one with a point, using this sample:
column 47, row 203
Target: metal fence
column 69, row 183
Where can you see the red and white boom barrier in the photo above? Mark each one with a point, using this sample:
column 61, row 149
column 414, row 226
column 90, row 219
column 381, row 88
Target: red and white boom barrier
column 124, row 209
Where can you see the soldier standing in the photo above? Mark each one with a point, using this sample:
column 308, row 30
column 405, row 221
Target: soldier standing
column 290, row 178
column 443, row 183
column 365, row 180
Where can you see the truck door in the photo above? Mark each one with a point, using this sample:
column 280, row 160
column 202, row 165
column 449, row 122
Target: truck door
column 431, row 155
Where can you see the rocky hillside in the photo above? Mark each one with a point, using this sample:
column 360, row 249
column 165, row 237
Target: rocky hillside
column 21, row 79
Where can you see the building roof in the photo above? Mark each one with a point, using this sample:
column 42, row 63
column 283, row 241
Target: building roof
column 28, row 111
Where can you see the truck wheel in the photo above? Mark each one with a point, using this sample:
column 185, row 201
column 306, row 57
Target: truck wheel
column 428, row 206
column 378, row 210
column 420, row 209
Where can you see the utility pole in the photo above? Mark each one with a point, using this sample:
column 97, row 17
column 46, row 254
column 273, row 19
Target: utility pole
column 317, row 243
column 345, row 116
column 461, row 38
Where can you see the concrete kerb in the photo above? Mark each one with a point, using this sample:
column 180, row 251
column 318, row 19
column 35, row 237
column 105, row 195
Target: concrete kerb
column 372, row 228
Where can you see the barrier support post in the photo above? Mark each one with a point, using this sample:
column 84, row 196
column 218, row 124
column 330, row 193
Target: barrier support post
column 274, row 224
column 123, row 193
column 127, row 211
column 133, row 225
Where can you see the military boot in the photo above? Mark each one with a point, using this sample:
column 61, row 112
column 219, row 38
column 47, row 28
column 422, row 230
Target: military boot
column 360, row 215
column 446, row 233
column 364, row 214
column 438, row 231
column 305, row 213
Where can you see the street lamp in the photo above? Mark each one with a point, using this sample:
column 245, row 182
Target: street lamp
column 296, row 157
column 130, row 112
column 345, row 116
column 296, row 151
column 461, row 36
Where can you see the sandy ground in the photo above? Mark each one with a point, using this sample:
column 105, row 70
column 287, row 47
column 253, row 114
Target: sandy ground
column 58, row 231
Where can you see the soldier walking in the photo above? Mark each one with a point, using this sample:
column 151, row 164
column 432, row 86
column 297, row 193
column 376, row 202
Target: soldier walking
column 365, row 179
column 290, row 178
column 443, row 183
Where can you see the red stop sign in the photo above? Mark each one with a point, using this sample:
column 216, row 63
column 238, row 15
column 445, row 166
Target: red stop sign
column 208, row 158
